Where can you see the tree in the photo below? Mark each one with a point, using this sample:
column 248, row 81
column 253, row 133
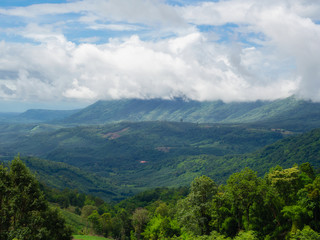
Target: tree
column 195, row 210
column 26, row 213
column 161, row 227
column 121, row 224
column 4, row 202
column 295, row 213
column 140, row 219
column 313, row 195
column 286, row 182
column 95, row 220
column 243, row 188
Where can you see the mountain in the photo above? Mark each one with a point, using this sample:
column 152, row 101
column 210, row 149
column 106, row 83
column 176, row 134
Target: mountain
column 161, row 110
column 43, row 115
column 36, row 116
column 290, row 113
column 6, row 116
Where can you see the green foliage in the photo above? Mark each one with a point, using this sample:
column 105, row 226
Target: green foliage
column 117, row 160
column 247, row 207
column 64, row 177
column 250, row 235
column 24, row 210
column 194, row 211
column 286, row 182
column 140, row 218
column 161, row 227
column 73, row 220
column 305, row 234
column 88, row 237
column 243, row 188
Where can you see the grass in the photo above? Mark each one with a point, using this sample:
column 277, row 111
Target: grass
column 73, row 220
column 87, row 237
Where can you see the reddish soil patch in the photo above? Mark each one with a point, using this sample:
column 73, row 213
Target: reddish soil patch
column 164, row 149
column 114, row 135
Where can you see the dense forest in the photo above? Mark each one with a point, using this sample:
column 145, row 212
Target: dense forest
column 284, row 204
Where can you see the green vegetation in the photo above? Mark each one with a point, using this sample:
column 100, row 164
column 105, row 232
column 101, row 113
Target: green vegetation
column 118, row 160
column 290, row 113
column 129, row 157
column 24, row 213
column 129, row 180
column 231, row 202
column 284, row 204
column 87, row 237
column 62, row 176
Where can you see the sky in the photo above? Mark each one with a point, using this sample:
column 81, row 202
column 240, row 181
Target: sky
column 65, row 54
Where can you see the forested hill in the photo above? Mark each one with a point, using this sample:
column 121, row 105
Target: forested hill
column 163, row 110
column 285, row 153
column 289, row 151
column 290, row 113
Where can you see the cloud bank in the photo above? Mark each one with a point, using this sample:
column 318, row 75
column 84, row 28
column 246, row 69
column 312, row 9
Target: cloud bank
column 236, row 50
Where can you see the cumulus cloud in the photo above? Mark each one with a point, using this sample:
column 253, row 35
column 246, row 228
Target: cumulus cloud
column 271, row 52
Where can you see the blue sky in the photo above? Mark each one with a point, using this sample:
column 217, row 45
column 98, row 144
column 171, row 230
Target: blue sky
column 68, row 54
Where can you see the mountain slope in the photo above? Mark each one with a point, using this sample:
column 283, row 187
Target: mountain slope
column 128, row 152
column 297, row 149
column 162, row 110
column 290, row 113
column 36, row 116
column 174, row 169
column 43, row 115
column 285, row 153
column 61, row 175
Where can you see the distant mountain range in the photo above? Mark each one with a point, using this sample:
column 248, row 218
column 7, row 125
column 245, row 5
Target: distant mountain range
column 36, row 115
column 290, row 113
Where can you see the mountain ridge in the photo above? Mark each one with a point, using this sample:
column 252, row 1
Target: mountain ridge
column 292, row 113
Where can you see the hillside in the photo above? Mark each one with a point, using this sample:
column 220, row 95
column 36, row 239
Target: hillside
column 61, row 175
column 116, row 160
column 43, row 115
column 285, row 153
column 290, row 113
column 130, row 153
column 162, row 110
column 36, row 116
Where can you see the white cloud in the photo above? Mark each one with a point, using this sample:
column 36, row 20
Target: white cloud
column 116, row 27
column 280, row 59
column 189, row 65
column 79, row 92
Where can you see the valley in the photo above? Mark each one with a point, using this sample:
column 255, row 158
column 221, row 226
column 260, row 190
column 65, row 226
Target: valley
column 117, row 151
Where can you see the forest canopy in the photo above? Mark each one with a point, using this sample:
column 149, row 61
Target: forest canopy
column 284, row 204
